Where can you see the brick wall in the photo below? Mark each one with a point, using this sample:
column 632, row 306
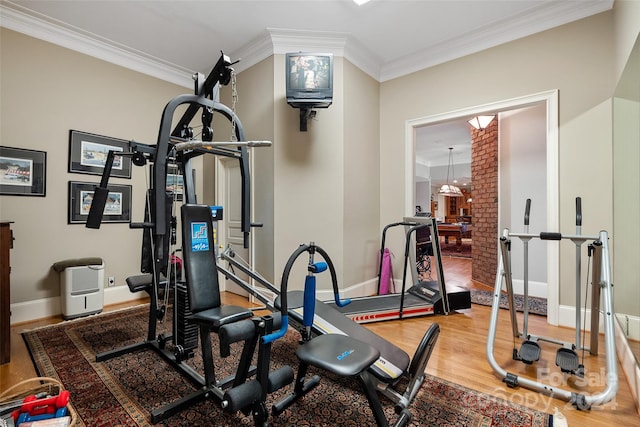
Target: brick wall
column 484, row 178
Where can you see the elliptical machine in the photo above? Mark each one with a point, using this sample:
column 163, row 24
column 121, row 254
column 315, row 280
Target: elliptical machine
column 567, row 357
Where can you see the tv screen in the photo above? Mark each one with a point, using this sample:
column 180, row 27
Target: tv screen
column 309, row 79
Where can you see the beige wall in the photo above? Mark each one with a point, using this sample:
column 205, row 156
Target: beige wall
column 255, row 107
column 46, row 91
column 575, row 59
column 626, row 15
column 335, row 184
column 361, row 226
column 308, row 177
column 626, row 162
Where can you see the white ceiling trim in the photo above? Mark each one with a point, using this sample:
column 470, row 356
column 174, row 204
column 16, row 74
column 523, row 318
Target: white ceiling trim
column 73, row 38
column 537, row 19
column 285, row 40
column 280, row 41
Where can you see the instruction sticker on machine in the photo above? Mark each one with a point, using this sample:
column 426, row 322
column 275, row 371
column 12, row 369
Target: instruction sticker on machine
column 199, row 237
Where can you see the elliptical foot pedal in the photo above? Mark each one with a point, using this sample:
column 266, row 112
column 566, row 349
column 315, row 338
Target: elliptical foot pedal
column 567, row 359
column 529, row 352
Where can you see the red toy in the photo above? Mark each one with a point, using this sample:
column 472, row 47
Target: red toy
column 34, row 407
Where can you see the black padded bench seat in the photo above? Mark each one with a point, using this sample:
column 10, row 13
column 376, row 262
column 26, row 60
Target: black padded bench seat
column 339, row 354
column 142, row 282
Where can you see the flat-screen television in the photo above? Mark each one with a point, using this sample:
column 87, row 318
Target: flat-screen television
column 309, row 79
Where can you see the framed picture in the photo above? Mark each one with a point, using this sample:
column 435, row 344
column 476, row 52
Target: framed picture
column 117, row 208
column 22, row 172
column 175, row 182
column 88, row 154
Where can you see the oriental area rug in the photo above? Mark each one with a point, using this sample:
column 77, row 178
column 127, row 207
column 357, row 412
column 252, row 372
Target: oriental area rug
column 122, row 391
column 536, row 305
column 451, row 249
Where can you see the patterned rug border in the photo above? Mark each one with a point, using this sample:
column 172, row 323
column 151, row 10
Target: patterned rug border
column 477, row 410
column 537, row 305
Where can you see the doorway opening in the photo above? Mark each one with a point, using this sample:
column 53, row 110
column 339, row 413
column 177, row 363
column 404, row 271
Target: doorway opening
column 527, row 129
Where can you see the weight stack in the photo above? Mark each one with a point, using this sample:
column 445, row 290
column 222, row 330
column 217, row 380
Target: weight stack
column 186, row 333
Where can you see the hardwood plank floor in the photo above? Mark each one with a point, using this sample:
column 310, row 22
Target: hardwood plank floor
column 459, row 356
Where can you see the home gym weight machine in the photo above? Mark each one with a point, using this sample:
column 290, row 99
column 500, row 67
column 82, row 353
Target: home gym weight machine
column 567, row 357
column 177, row 144
column 393, row 364
column 347, row 349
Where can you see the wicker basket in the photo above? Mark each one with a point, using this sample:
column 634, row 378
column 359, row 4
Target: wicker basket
column 33, row 386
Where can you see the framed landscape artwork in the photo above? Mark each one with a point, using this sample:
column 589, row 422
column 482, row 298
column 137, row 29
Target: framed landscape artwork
column 22, row 172
column 117, row 208
column 88, row 154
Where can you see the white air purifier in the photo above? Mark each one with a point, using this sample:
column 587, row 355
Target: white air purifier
column 82, row 290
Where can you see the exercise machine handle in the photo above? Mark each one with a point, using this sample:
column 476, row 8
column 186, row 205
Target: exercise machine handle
column 549, row 235
column 313, row 267
column 578, row 211
column 100, row 194
column 527, row 211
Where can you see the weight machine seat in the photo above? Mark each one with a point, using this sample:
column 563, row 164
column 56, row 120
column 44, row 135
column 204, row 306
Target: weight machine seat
column 393, row 361
column 142, row 282
column 216, row 317
column 339, row 354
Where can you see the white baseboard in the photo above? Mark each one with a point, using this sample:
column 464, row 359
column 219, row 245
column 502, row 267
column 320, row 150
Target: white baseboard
column 536, row 289
column 629, row 364
column 567, row 318
column 49, row 307
column 370, row 287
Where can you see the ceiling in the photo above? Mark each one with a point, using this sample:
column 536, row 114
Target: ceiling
column 385, row 38
column 171, row 39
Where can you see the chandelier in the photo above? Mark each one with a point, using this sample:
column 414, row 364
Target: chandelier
column 448, row 189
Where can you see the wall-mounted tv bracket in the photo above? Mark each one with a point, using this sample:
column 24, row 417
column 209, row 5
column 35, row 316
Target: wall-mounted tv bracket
column 306, row 114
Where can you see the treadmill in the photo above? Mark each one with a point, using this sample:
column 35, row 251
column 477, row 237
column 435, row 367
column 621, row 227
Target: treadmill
column 423, row 298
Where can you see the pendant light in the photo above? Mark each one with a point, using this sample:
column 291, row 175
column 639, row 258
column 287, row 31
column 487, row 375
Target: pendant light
column 447, row 189
column 481, row 122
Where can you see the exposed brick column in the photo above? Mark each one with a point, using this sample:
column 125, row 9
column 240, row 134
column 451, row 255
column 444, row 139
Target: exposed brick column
column 484, row 179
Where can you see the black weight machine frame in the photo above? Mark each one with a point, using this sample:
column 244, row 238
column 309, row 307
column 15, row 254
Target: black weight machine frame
column 177, row 144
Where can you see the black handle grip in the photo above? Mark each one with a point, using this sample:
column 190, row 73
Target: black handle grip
column 546, row 235
column 96, row 211
column 527, row 211
column 578, row 211
column 141, row 225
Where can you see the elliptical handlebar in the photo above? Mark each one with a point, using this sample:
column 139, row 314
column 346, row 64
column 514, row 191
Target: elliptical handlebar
column 578, row 212
column 527, row 212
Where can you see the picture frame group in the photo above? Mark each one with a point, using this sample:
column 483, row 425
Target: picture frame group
column 88, row 154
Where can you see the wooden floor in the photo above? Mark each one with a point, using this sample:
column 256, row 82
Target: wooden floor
column 459, row 357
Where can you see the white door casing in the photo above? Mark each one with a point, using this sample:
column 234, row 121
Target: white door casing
column 550, row 99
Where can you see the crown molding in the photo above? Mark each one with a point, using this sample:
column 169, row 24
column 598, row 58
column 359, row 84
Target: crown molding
column 537, row 19
column 50, row 30
column 288, row 40
column 280, row 41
